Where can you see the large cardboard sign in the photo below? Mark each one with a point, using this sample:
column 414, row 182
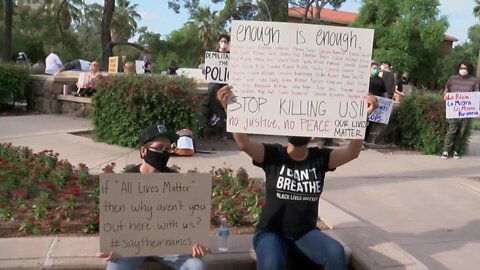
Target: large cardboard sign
column 154, row 214
column 113, row 64
column 462, row 105
column 216, row 67
column 299, row 79
column 383, row 111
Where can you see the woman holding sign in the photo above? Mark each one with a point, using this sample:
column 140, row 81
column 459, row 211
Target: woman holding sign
column 463, row 82
column 294, row 183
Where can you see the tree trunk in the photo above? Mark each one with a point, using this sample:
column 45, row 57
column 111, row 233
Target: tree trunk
column 107, row 46
column 7, row 32
column 308, row 4
column 478, row 65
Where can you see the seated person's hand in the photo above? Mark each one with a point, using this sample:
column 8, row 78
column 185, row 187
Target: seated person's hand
column 106, row 256
column 372, row 103
column 223, row 94
column 199, row 251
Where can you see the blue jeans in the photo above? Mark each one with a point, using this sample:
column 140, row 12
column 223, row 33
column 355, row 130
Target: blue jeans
column 181, row 262
column 318, row 247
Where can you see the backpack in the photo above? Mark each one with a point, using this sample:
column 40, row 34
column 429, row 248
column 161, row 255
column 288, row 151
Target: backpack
column 184, row 145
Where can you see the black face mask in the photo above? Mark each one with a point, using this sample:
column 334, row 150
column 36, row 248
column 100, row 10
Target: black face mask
column 298, row 141
column 158, row 160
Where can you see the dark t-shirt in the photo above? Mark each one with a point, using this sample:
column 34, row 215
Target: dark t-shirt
column 377, row 86
column 389, row 79
column 136, row 169
column 292, row 190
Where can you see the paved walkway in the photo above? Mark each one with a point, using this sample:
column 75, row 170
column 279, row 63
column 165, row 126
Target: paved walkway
column 394, row 211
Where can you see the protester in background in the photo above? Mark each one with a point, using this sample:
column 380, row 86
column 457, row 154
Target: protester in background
column 146, row 57
column 172, row 68
column 399, row 94
column 215, row 111
column 376, row 88
column 53, row 64
column 294, row 182
column 129, row 69
column 88, row 88
column 77, row 64
column 463, row 82
column 388, row 78
column 155, row 142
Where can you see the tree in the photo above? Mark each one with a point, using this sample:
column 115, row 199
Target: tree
column 319, row 5
column 7, row 30
column 124, row 21
column 408, row 33
column 204, row 21
column 106, row 37
column 476, row 13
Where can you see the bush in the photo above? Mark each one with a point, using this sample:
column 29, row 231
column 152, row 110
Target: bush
column 13, row 79
column 123, row 106
column 422, row 124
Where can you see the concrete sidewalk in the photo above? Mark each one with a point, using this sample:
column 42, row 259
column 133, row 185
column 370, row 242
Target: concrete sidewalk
column 392, row 211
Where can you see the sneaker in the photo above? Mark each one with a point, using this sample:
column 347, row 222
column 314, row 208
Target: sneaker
column 444, row 155
column 214, row 120
column 455, row 155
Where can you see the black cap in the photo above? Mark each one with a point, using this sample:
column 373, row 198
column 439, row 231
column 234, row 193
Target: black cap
column 157, row 131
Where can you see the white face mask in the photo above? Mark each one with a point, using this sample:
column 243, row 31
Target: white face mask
column 223, row 45
column 463, row 72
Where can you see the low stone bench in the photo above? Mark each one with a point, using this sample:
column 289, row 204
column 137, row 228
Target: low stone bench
column 72, row 105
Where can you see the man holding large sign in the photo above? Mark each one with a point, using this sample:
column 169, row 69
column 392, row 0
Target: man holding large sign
column 314, row 84
column 459, row 107
column 148, row 214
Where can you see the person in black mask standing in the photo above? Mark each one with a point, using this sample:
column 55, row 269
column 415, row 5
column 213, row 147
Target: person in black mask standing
column 294, row 182
column 155, row 143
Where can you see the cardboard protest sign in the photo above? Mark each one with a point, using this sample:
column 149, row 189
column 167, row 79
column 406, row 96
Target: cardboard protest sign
column 383, row 111
column 216, row 67
column 299, row 79
column 140, row 66
column 154, row 214
column 112, row 64
column 462, row 105
column 82, row 80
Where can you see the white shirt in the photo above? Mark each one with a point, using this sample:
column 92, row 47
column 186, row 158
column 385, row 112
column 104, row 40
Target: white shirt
column 52, row 64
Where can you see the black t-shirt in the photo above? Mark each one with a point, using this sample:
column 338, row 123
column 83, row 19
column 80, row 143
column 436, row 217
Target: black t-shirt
column 136, row 169
column 389, row 78
column 377, row 86
column 292, row 190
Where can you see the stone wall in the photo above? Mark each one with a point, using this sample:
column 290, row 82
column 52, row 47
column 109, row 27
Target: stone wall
column 42, row 91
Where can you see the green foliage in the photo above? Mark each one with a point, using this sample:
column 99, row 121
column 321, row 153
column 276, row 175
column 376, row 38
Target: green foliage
column 476, row 124
column 422, row 123
column 13, row 79
column 125, row 105
column 408, row 33
column 184, row 46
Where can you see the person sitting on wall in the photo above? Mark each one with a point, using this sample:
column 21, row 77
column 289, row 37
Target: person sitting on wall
column 77, row 64
column 87, row 89
column 129, row 69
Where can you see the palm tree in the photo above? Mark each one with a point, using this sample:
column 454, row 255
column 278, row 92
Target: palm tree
column 476, row 13
column 204, row 20
column 7, row 31
column 124, row 21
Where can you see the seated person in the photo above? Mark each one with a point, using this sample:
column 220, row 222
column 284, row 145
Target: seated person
column 129, row 69
column 172, row 69
column 155, row 143
column 87, row 89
